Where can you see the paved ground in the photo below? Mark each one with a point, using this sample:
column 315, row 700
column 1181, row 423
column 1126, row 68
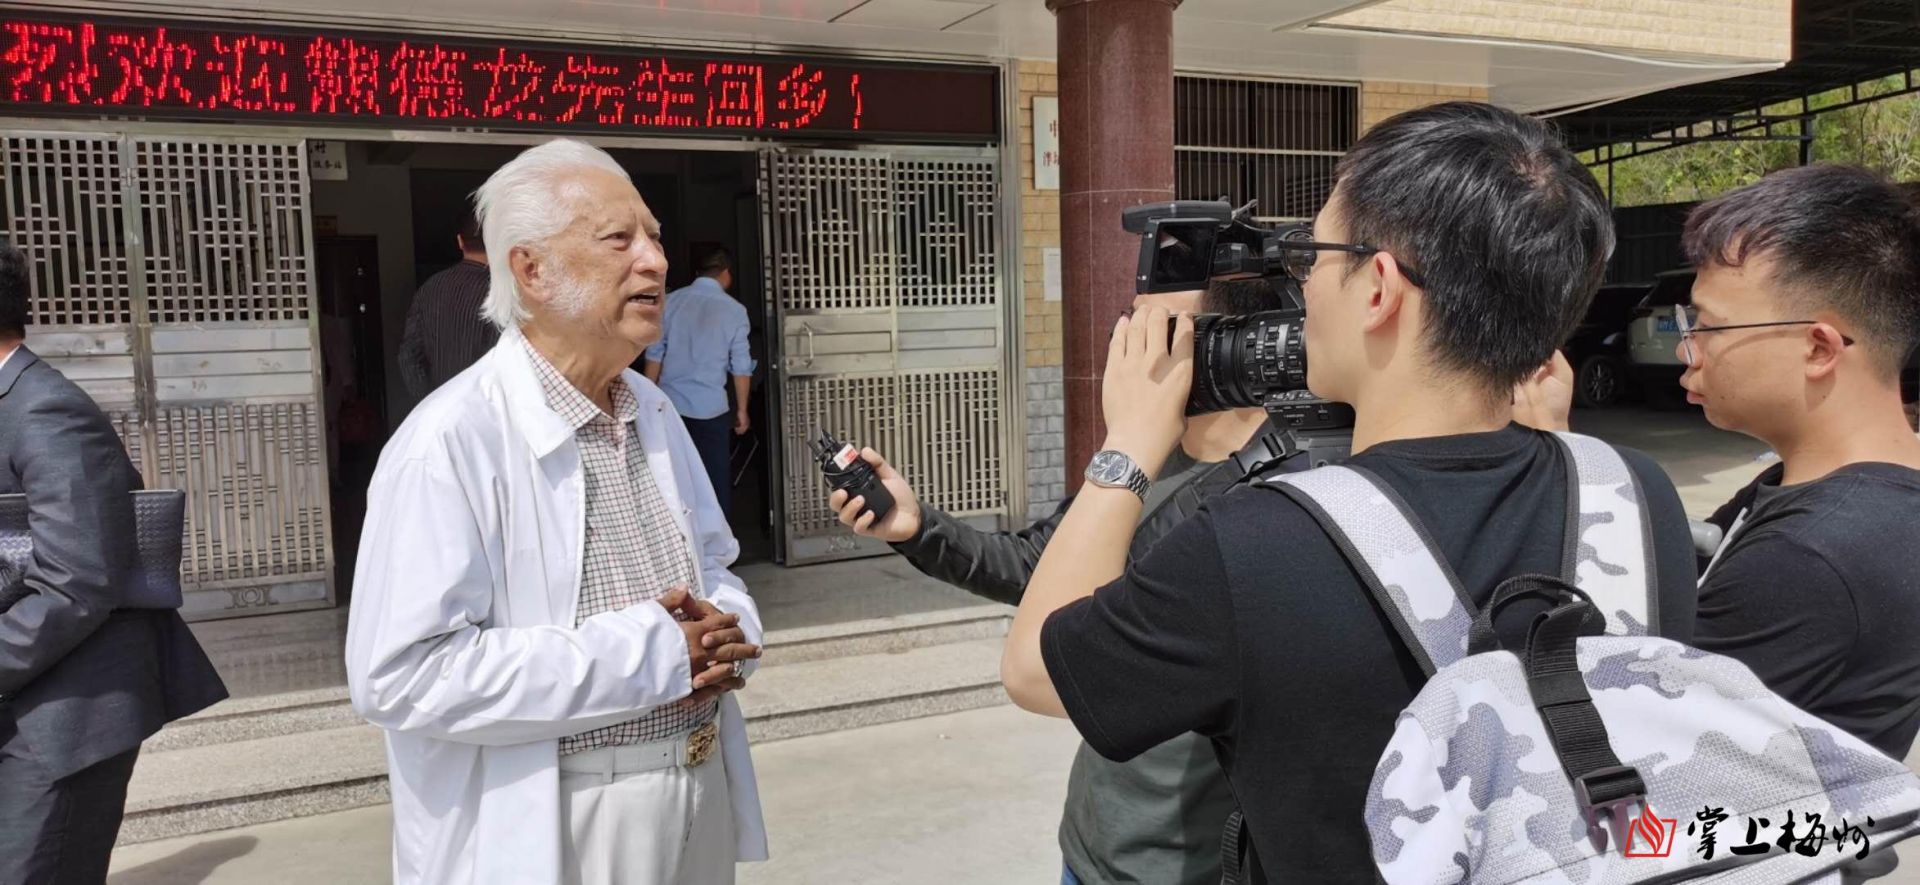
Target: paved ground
column 965, row 798
column 959, row 799
column 1706, row 464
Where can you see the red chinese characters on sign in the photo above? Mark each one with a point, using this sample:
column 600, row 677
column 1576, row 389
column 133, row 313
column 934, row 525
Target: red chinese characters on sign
column 594, row 87
column 426, row 81
column 515, row 92
column 804, row 95
column 661, row 94
column 74, row 65
column 152, row 68
column 251, row 74
column 344, row 76
column 859, row 103
column 737, row 96
column 47, row 63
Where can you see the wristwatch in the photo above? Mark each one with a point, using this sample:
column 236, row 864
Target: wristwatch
column 1114, row 470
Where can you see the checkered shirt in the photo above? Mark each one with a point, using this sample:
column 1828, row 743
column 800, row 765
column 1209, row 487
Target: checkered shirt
column 635, row 552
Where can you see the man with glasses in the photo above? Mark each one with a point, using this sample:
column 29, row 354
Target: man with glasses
column 1806, row 307
column 1157, row 817
column 1460, row 245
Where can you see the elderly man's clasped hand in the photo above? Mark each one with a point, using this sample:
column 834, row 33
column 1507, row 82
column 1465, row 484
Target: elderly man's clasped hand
column 717, row 648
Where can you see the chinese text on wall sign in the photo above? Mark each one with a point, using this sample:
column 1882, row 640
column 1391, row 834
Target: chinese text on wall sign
column 84, row 66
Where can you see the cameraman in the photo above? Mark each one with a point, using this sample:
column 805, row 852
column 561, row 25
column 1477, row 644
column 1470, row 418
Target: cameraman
column 1156, row 818
column 1806, row 307
column 1460, row 245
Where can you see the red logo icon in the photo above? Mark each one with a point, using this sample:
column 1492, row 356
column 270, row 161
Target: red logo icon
column 1651, row 836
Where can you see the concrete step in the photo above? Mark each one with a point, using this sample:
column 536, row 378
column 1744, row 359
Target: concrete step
column 266, row 759
column 896, row 633
column 246, row 719
column 325, row 708
column 791, row 700
column 235, row 784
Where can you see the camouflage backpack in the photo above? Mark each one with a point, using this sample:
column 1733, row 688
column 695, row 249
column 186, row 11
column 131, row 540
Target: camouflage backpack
column 1567, row 744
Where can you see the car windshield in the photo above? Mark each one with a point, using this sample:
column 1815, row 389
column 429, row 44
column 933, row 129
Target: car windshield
column 1670, row 289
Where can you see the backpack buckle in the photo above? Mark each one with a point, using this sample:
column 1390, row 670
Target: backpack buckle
column 1608, row 794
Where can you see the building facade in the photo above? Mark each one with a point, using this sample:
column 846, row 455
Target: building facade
column 228, row 213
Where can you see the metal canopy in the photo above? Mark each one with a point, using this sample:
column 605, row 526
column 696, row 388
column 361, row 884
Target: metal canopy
column 1835, row 45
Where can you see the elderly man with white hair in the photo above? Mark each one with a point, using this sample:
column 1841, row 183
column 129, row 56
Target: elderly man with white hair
column 543, row 620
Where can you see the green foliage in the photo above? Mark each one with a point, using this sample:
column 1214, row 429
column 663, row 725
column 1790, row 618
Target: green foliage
column 1883, row 135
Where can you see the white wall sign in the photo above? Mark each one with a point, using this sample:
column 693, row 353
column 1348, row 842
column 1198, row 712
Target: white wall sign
column 1050, row 274
column 327, row 160
column 1046, row 142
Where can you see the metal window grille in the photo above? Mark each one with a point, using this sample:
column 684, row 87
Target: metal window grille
column 886, row 270
column 226, row 231
column 948, row 254
column 833, row 223
column 1271, row 141
column 171, row 280
column 63, row 208
column 864, row 408
column 950, row 439
column 255, row 480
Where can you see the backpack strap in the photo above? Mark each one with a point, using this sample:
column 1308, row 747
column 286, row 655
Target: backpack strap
column 1608, row 550
column 1233, row 850
column 1394, row 556
column 1549, row 656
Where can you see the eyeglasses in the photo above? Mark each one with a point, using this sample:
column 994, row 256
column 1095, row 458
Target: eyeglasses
column 1687, row 318
column 1301, row 251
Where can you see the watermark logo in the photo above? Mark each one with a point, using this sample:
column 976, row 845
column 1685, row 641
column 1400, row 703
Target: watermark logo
column 1651, row 836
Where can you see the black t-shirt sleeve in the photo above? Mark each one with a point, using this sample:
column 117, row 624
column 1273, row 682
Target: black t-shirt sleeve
column 1152, row 655
column 1780, row 607
column 1676, row 576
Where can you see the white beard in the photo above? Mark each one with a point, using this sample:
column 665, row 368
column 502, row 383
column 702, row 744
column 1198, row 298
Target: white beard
column 571, row 297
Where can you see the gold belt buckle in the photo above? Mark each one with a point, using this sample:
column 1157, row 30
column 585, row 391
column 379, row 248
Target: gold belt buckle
column 700, row 744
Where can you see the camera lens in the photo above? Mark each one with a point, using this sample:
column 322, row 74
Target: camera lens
column 1243, row 361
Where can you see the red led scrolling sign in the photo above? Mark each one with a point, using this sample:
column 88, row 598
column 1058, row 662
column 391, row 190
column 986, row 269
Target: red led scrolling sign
column 100, row 67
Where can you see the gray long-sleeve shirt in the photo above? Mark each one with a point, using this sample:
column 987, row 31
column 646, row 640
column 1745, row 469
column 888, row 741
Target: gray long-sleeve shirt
column 1158, row 817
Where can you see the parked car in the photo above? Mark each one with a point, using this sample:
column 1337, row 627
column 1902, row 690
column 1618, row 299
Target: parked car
column 1653, row 337
column 1598, row 348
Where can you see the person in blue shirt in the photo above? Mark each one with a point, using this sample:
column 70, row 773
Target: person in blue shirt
column 705, row 345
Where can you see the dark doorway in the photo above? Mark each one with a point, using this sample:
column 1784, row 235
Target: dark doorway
column 756, row 454
column 354, row 372
column 702, row 198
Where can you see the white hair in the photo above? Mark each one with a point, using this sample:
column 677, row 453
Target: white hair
column 522, row 204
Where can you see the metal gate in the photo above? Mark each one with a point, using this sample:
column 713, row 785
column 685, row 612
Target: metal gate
column 172, row 280
column 883, row 272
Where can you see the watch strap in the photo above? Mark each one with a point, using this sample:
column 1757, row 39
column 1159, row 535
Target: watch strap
column 1134, row 481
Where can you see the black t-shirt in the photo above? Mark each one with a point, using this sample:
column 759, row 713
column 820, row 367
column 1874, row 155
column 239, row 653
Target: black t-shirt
column 1247, row 625
column 1819, row 593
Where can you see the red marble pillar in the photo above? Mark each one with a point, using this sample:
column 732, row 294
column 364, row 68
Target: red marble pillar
column 1116, row 147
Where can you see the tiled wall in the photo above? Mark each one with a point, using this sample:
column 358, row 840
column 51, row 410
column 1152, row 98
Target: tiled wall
column 1039, row 230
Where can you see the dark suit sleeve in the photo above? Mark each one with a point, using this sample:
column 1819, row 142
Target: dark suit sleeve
column 79, row 487
column 995, row 565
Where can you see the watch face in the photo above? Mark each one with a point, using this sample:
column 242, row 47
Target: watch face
column 1108, row 467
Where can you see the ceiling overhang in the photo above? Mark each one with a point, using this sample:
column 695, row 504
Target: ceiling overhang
column 1274, row 38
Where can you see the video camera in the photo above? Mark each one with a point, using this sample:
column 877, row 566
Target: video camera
column 1258, row 359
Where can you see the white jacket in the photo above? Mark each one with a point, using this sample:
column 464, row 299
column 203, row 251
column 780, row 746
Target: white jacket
column 461, row 640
